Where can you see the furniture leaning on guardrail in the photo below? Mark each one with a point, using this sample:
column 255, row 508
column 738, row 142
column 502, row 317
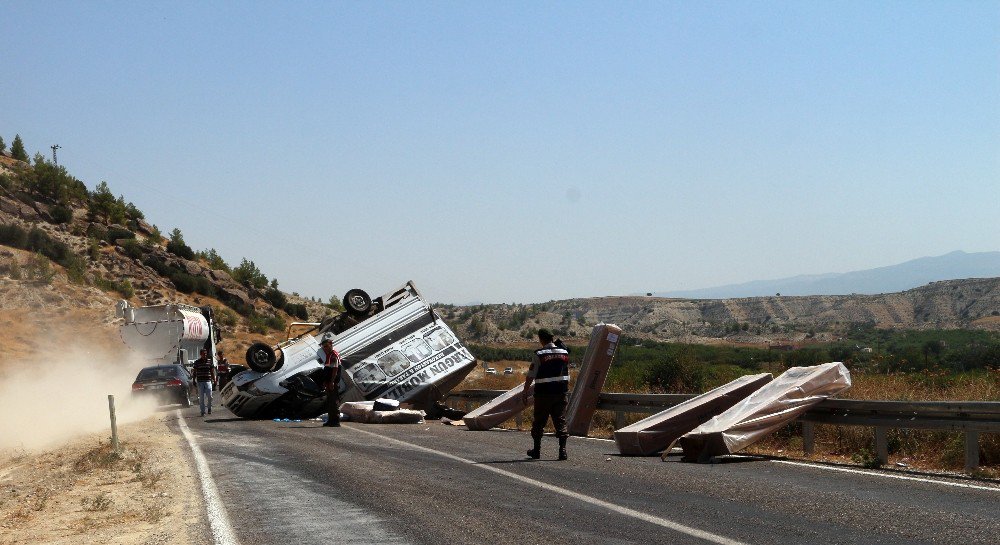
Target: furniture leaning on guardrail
column 970, row 417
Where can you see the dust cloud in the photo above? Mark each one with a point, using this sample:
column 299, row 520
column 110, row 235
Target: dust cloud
column 56, row 397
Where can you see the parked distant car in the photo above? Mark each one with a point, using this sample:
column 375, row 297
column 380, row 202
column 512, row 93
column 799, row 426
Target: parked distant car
column 491, row 371
column 168, row 383
column 508, row 371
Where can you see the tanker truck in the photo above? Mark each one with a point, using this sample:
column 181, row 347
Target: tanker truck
column 168, row 334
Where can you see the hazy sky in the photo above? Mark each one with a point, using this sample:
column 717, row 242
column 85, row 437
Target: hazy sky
column 525, row 151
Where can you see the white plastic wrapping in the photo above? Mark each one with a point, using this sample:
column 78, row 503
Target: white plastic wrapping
column 365, row 413
column 777, row 403
column 500, row 409
column 655, row 433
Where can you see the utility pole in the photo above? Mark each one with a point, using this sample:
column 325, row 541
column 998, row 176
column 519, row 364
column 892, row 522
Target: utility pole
column 54, row 148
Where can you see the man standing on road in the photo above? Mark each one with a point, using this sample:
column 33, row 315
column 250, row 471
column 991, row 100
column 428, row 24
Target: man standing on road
column 204, row 375
column 550, row 372
column 331, row 378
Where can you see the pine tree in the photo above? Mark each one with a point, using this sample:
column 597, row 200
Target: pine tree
column 17, row 149
column 3, row 146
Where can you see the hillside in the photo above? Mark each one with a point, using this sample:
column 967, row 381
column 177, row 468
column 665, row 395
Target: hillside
column 67, row 254
column 894, row 278
column 951, row 304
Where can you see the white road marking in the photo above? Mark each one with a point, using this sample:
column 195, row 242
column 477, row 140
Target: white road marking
column 652, row 519
column 218, row 519
column 888, row 475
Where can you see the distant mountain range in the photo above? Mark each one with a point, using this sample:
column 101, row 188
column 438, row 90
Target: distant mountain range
column 894, row 278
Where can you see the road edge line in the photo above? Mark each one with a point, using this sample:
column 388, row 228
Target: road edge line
column 886, row 475
column 218, row 518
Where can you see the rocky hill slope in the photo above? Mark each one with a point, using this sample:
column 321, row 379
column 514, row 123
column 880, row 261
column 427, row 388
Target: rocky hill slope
column 952, row 304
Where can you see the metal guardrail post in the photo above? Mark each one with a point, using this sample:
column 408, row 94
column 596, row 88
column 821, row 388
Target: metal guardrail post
column 619, row 420
column 114, row 424
column 808, row 438
column 971, row 450
column 882, row 444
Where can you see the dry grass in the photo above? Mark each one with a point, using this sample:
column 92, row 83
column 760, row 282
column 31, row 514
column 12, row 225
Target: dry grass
column 84, row 492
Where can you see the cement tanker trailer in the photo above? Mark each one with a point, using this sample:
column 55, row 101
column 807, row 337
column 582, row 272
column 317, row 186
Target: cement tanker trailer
column 168, row 334
column 394, row 346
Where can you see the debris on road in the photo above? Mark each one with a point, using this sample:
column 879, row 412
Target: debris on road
column 366, row 412
column 657, row 432
column 782, row 400
column 500, row 409
column 593, row 372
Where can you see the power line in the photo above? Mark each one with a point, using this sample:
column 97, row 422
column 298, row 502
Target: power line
column 54, row 148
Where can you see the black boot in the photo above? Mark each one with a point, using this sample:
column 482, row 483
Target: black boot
column 562, row 449
column 536, row 452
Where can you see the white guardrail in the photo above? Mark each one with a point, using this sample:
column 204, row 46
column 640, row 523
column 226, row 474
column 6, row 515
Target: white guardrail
column 969, row 417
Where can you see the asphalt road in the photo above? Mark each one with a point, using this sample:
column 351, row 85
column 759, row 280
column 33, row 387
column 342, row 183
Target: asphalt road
column 299, row 483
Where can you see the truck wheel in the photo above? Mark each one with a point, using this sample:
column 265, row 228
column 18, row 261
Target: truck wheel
column 357, row 302
column 260, row 357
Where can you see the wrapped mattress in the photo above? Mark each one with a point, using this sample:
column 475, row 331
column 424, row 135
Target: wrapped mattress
column 365, row 413
column 655, row 433
column 589, row 383
column 762, row 412
column 500, row 409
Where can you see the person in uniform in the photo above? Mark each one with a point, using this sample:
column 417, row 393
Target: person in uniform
column 331, row 378
column 549, row 372
column 222, row 369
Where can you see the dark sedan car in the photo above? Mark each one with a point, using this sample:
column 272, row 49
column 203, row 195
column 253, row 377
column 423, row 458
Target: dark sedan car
column 168, row 383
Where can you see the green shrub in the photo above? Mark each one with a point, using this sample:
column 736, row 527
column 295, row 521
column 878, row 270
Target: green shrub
column 275, row 322
column 97, row 231
column 76, row 270
column 13, row 235
column 297, row 310
column 227, row 317
column 123, row 288
column 117, row 233
column 40, row 269
column 133, row 248
column 180, row 249
column 256, row 324
column 61, row 214
column 275, row 298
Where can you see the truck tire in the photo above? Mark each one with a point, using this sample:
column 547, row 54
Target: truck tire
column 260, row 357
column 357, row 302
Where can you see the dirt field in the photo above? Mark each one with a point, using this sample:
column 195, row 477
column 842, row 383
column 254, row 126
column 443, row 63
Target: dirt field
column 80, row 491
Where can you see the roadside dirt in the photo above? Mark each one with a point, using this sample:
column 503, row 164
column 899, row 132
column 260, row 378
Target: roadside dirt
column 81, row 491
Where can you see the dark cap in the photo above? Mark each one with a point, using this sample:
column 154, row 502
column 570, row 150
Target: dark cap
column 545, row 335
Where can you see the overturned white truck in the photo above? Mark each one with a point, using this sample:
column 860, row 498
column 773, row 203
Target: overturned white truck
column 394, row 347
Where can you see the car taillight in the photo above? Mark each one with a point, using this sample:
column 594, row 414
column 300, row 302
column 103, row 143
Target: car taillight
column 138, row 386
column 175, row 382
